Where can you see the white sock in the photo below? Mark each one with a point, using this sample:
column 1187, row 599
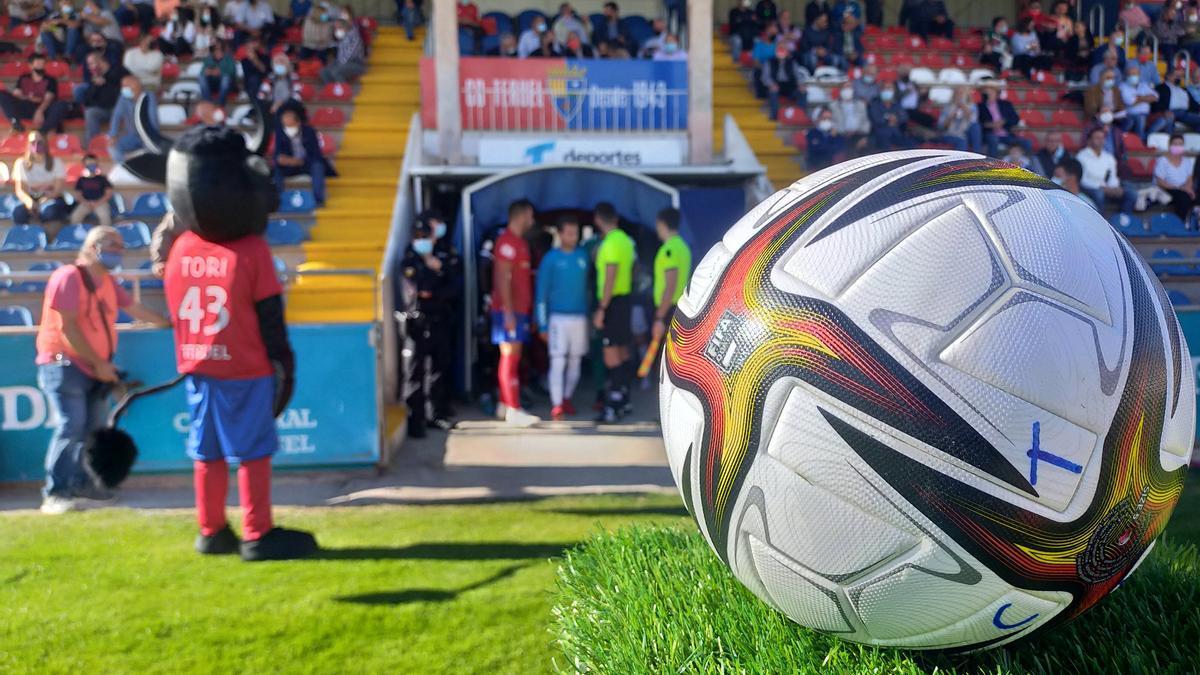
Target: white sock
column 557, row 363
column 572, row 374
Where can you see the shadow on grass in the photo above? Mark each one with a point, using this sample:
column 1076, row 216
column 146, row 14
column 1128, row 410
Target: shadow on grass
column 431, row 595
column 496, row 550
column 624, row 511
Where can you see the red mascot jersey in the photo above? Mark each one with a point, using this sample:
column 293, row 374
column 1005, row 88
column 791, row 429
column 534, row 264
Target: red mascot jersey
column 211, row 291
column 513, row 250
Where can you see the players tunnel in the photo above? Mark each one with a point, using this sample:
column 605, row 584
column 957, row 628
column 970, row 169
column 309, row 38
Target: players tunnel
column 551, row 188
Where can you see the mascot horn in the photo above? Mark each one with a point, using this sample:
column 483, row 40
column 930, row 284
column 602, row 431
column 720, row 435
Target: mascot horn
column 109, row 453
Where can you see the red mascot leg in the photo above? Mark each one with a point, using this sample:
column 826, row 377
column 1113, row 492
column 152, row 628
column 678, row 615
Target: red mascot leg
column 211, row 480
column 510, row 382
column 254, row 489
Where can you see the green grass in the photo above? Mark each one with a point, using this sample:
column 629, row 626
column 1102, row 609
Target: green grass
column 656, row 599
column 401, row 589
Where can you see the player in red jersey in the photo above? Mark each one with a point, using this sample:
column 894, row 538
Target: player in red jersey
column 231, row 341
column 512, row 303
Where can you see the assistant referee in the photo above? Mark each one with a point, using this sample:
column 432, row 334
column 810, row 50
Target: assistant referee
column 672, row 269
column 615, row 258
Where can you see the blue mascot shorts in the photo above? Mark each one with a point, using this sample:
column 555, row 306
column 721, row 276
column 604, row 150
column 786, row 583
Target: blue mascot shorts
column 500, row 335
column 231, row 419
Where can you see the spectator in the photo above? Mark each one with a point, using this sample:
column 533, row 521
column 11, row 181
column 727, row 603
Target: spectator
column 671, row 51
column 910, row 12
column 1173, row 173
column 256, row 65
column 409, row 15
column 1174, row 105
column 1169, row 30
column 135, row 12
column 910, row 97
column 1190, row 40
column 281, row 85
column 765, row 12
column 1027, row 50
column 217, row 75
column 847, row 41
column 844, row 7
column 1116, row 45
column 1039, row 20
column 76, row 343
column 959, row 122
column 656, row 41
column 998, row 118
column 507, row 47
column 298, row 10
column 531, row 38
column 316, row 37
column 1134, row 18
column 1104, row 93
column 549, row 47
column 298, row 152
column 816, row 46
column 234, row 16
column 1067, row 174
column 1056, row 41
column 93, row 193
column 887, row 121
column 779, row 76
column 145, row 62
column 743, row 29
column 123, row 136
column 1147, row 66
column 178, row 35
column 851, row 120
column 576, row 48
column 1053, row 151
column 38, row 182
column 934, row 19
column 612, row 50
column 62, row 33
column 1078, row 52
column 351, row 58
column 1017, row 157
column 788, row 31
column 825, row 145
column 567, row 22
column 96, row 19
column 33, row 98
column 609, row 30
column 113, row 50
column 99, row 95
column 764, row 44
column 1100, row 179
column 1137, row 96
column 815, row 7
column 1114, row 137
column 25, row 11
column 866, row 88
column 996, row 52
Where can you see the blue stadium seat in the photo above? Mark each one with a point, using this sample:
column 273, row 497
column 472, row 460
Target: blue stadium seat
column 24, row 239
column 36, row 286
column 1169, row 268
column 596, row 18
column 638, row 29
column 1168, row 224
column 5, row 284
column 297, row 201
column 7, row 203
column 15, row 315
column 70, row 238
column 151, row 282
column 504, row 23
column 466, row 42
column 285, row 233
column 1129, row 225
column 489, row 43
column 135, row 234
column 1178, row 299
column 149, row 205
column 525, row 19
column 122, row 317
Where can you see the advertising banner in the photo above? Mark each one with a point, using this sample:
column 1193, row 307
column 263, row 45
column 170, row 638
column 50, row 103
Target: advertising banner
column 332, row 419
column 563, row 94
column 623, row 152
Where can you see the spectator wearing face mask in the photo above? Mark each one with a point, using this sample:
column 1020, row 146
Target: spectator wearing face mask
column 62, row 33
column 531, row 38
column 1134, row 18
column 281, row 85
column 1067, row 174
column 779, row 76
column 97, row 19
column 671, row 51
column 825, row 145
column 742, row 28
column 123, row 136
column 1137, row 96
column 93, row 193
column 298, row 152
column 1077, row 53
column 1114, row 136
column 351, row 58
column 507, row 47
column 1168, row 29
column 576, row 48
column 135, row 12
column 998, row 119
column 1116, row 45
column 178, row 35
column 1104, row 94
column 33, row 98
column 887, row 121
column 958, row 123
column 548, row 47
column 99, row 95
column 847, row 41
column 1100, row 180
column 218, row 75
column 996, row 51
column 1173, row 173
column 1147, row 66
column 610, row 30
column 256, row 65
column 764, row 44
column 316, row 36
column 38, row 183
column 816, row 46
column 866, row 88
column 1053, row 152
column 933, row 19
column 1174, row 105
column 656, row 41
column 145, row 62
column 1027, row 50
column 1190, row 40
column 851, row 120
column 568, row 22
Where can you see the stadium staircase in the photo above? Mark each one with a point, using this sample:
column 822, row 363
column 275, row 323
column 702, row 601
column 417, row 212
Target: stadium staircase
column 351, row 230
column 732, row 96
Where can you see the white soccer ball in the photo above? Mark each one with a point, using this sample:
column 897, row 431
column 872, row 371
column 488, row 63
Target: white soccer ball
column 927, row 400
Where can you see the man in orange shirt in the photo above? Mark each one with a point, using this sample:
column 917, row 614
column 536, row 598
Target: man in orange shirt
column 76, row 342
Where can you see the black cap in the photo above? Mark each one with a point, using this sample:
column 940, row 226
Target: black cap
column 428, row 216
column 421, row 229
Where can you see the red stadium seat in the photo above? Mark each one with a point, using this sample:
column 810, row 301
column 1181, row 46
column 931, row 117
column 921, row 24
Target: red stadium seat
column 1014, row 95
column 746, row 59
column 1032, row 138
column 12, row 69
column 914, row 42
column 328, row 146
column 1133, row 143
column 369, row 23
column 934, row 60
column 1067, row 118
column 170, row 70
column 65, row 145
column 800, row 140
column 66, row 90
column 57, row 69
column 888, row 42
column 74, row 171
column 1140, row 168
column 309, row 68
column 99, row 147
column 971, row 43
column 897, row 30
column 962, row 61
column 794, row 116
column 903, row 59
column 308, row 91
column 24, row 32
column 1039, row 95
column 328, row 117
column 870, row 58
column 873, row 30
column 336, row 91
column 1071, row 141
column 941, row 44
column 294, row 35
column 1035, row 118
column 887, row 75
column 14, row 146
column 131, row 33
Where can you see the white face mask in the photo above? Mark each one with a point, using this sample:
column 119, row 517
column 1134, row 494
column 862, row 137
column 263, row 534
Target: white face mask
column 292, row 132
column 1057, row 181
column 339, row 33
column 1133, row 80
column 887, row 95
column 825, row 125
column 868, row 78
column 847, row 94
column 1106, row 118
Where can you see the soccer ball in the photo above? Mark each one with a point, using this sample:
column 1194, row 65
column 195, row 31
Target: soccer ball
column 927, row 400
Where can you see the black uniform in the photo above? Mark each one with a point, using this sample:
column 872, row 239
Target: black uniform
column 430, row 327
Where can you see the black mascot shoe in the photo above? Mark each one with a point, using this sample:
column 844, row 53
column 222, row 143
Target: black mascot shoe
column 280, row 544
column 221, row 543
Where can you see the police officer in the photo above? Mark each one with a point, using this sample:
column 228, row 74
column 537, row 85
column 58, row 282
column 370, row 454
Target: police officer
column 443, row 316
column 424, row 273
